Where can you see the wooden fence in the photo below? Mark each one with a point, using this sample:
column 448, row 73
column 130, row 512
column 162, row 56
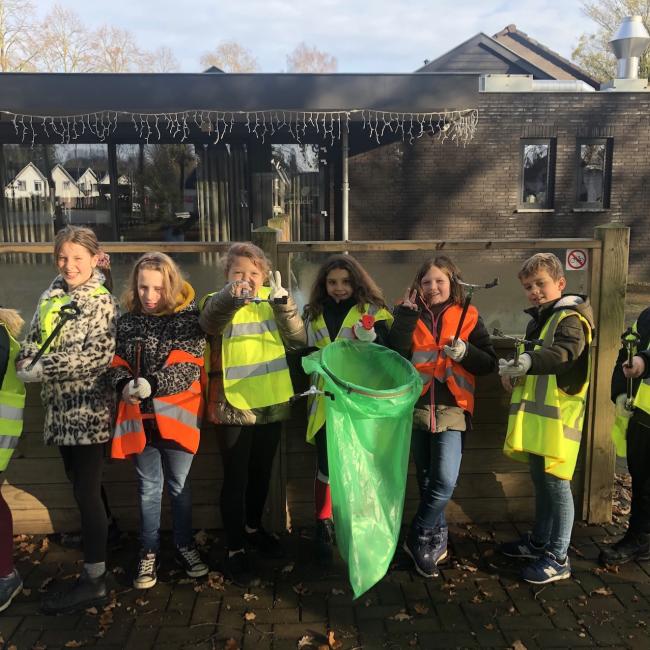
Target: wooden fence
column 490, row 488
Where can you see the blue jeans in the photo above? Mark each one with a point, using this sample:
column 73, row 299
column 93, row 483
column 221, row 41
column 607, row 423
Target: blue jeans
column 437, row 459
column 171, row 466
column 553, row 508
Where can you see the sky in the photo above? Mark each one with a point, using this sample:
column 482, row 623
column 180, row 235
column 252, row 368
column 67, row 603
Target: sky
column 378, row 36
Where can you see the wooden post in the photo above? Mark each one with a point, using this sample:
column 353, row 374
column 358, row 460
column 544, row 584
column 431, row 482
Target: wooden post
column 276, row 503
column 610, row 320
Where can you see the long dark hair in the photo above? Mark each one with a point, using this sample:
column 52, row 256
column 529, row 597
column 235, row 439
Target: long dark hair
column 445, row 264
column 364, row 288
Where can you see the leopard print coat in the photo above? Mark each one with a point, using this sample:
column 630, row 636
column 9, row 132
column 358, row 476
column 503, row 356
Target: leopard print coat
column 77, row 398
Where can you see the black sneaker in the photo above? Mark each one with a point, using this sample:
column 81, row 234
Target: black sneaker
column 267, row 544
column 418, row 545
column 10, row 586
column 325, row 540
column 146, row 571
column 632, row 546
column 188, row 557
column 86, row 592
column 237, row 568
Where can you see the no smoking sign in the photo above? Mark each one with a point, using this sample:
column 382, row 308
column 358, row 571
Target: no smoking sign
column 576, row 259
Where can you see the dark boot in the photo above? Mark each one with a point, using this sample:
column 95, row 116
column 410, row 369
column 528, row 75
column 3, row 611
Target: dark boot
column 86, row 592
column 324, row 539
column 418, row 546
column 632, row 546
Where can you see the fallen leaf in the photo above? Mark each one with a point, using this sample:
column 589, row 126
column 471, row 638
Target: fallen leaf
column 400, row 616
column 288, row 568
column 338, row 592
column 249, row 597
column 332, row 641
column 602, row 591
column 73, row 644
column 39, row 646
column 45, row 544
column 44, row 584
column 27, row 592
column 231, row 644
column 421, row 608
column 518, row 645
column 92, row 611
column 141, row 602
column 489, row 626
column 250, row 616
column 300, row 589
column 118, row 570
column 305, row 641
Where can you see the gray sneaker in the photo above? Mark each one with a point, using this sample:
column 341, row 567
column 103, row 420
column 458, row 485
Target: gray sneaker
column 10, row 586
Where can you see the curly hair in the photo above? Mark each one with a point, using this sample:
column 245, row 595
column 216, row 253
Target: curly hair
column 173, row 281
column 12, row 319
column 449, row 268
column 364, row 288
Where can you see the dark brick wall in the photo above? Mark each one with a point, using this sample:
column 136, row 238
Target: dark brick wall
column 444, row 191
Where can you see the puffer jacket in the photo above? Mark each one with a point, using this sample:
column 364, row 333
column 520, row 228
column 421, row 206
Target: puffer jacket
column 77, row 398
column 216, row 314
column 159, row 335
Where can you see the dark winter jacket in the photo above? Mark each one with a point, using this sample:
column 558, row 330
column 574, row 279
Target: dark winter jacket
column 216, row 315
column 568, row 356
column 159, row 335
column 480, row 359
column 619, row 382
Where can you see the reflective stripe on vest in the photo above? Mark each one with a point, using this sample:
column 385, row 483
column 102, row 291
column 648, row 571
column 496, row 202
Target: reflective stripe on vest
column 430, row 360
column 178, row 416
column 12, row 402
column 641, row 402
column 255, row 369
column 544, row 420
column 318, row 336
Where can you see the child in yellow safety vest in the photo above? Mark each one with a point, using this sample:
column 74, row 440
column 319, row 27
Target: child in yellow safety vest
column 632, row 440
column 345, row 303
column 157, row 373
column 252, row 327
column 547, row 407
column 425, row 328
column 12, row 401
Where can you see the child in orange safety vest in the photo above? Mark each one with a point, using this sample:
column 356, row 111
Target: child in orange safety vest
column 424, row 331
column 157, row 372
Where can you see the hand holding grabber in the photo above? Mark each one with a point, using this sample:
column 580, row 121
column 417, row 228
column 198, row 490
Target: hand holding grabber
column 510, row 371
column 66, row 313
column 630, row 340
column 138, row 388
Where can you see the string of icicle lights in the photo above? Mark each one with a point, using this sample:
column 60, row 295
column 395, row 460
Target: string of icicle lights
column 458, row 126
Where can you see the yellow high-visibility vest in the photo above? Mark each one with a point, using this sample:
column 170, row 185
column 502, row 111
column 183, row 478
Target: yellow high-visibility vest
column 255, row 369
column 641, row 401
column 50, row 310
column 543, row 419
column 318, row 336
column 12, row 403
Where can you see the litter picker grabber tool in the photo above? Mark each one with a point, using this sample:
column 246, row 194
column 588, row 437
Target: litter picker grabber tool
column 240, row 300
column 66, row 313
column 468, row 298
column 630, row 340
column 519, row 341
column 138, row 360
column 312, row 390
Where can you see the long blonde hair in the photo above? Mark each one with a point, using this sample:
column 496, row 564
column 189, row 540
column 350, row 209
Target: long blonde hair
column 172, row 293
column 12, row 319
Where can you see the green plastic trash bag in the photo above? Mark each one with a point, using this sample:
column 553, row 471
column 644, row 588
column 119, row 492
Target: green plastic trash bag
column 368, row 441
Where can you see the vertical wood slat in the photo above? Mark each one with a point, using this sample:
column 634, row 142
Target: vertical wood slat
column 610, row 319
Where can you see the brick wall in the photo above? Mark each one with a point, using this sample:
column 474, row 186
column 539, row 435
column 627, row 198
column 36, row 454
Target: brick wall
column 444, row 191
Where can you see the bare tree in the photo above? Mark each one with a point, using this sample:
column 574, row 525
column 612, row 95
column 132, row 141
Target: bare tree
column 230, row 56
column 593, row 52
column 66, row 43
column 310, row 59
column 17, row 46
column 115, row 50
column 160, row 60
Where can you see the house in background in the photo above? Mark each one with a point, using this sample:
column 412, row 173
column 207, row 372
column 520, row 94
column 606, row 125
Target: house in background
column 28, row 182
column 88, row 183
column 66, row 190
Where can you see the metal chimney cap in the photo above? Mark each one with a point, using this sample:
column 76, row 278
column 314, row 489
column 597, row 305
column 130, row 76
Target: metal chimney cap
column 631, row 38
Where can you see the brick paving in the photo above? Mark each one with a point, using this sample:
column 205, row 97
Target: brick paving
column 477, row 601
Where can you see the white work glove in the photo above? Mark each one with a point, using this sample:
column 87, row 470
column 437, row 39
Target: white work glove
column 275, row 282
column 32, row 375
column 457, row 351
column 621, row 411
column 364, row 329
column 131, row 392
column 512, row 369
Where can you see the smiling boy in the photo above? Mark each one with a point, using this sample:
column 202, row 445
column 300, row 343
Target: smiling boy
column 546, row 412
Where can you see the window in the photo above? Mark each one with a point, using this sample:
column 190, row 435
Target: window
column 593, row 170
column 21, row 185
column 38, row 186
column 66, row 185
column 537, row 173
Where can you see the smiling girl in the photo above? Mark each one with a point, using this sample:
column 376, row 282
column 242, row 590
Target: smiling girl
column 425, row 326
column 76, row 399
column 157, row 373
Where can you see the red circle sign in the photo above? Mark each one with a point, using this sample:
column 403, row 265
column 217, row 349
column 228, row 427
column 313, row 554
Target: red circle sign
column 576, row 259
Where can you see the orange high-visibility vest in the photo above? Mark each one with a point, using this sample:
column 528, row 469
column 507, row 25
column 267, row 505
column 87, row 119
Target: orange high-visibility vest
column 178, row 416
column 430, row 361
